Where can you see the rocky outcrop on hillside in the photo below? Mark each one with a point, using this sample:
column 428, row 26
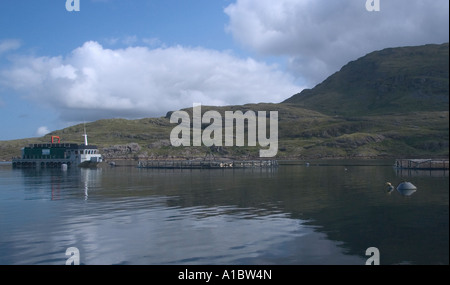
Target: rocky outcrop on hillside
column 121, row 151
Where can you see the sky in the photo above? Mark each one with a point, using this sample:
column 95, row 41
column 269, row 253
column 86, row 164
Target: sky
column 142, row 58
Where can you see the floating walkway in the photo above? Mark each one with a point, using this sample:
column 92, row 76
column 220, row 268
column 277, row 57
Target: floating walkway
column 207, row 164
column 422, row 164
column 40, row 163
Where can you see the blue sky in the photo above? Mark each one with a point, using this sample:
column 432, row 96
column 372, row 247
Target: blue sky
column 143, row 58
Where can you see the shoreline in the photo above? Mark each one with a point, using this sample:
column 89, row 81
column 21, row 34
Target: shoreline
column 285, row 159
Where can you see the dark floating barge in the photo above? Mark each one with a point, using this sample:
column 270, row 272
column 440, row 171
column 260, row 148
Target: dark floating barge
column 58, row 155
column 207, row 164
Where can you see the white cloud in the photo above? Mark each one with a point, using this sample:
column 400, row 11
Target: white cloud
column 320, row 36
column 9, row 45
column 130, row 40
column 42, row 131
column 93, row 82
column 153, row 42
column 133, row 41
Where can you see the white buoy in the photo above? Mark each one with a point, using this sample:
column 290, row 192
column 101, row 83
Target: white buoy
column 406, row 188
column 63, row 167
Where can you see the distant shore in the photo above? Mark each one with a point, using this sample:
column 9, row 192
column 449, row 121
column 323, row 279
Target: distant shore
column 382, row 160
column 283, row 159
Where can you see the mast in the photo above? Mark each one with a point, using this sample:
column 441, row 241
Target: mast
column 85, row 135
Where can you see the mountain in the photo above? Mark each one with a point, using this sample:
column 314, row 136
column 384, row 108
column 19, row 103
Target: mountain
column 389, row 103
column 393, row 80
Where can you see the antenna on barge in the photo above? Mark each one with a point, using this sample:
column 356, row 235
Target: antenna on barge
column 85, row 135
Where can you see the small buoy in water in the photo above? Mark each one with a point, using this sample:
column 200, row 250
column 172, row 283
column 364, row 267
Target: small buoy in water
column 64, row 167
column 406, row 188
column 307, row 164
column 389, row 186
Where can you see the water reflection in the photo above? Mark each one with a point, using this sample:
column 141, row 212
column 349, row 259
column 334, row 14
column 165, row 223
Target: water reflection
column 406, row 192
column 202, row 235
column 417, row 173
column 90, row 178
column 60, row 182
column 294, row 215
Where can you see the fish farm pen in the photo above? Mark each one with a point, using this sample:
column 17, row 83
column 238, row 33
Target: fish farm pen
column 422, row 164
column 207, row 164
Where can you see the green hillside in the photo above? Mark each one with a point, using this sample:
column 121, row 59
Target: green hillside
column 302, row 134
column 394, row 80
column 391, row 103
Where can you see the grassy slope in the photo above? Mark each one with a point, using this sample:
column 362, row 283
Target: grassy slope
column 302, row 134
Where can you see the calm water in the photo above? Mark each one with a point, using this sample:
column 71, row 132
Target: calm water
column 321, row 214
